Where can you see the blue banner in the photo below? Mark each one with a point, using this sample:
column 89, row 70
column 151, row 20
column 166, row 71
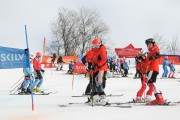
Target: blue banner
column 13, row 58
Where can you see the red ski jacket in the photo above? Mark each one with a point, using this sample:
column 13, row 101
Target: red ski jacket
column 143, row 66
column 153, row 64
column 37, row 64
column 99, row 57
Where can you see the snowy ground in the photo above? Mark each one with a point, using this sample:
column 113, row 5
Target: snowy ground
column 14, row 107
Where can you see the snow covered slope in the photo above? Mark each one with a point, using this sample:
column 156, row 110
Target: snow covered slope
column 14, row 107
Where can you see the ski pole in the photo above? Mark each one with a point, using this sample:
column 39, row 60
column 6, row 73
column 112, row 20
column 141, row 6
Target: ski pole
column 91, row 73
column 17, row 81
column 15, row 88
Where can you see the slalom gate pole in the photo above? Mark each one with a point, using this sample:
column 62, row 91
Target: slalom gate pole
column 51, row 69
column 32, row 99
column 73, row 81
column 17, row 81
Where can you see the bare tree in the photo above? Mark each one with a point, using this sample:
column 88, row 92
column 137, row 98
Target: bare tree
column 74, row 30
column 62, row 29
column 53, row 47
column 161, row 42
column 173, row 47
column 89, row 26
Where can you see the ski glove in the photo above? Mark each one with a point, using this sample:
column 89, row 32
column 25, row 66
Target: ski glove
column 94, row 67
column 83, row 60
column 39, row 75
column 154, row 57
column 151, row 58
column 42, row 70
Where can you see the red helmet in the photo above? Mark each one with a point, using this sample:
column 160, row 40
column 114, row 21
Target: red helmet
column 38, row 54
column 96, row 43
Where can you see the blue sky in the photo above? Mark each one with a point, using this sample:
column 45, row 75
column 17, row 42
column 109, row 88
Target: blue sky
column 130, row 21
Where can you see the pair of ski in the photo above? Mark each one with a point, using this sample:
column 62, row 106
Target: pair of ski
column 134, row 103
column 108, row 95
column 126, row 104
column 34, row 93
column 106, row 105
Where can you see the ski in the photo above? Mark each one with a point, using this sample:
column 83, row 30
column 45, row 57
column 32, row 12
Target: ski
column 165, row 104
column 109, row 95
column 108, row 105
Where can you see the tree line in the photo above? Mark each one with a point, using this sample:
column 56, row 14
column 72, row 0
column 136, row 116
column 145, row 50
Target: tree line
column 73, row 31
column 168, row 46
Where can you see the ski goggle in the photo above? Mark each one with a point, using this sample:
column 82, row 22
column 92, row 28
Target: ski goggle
column 95, row 45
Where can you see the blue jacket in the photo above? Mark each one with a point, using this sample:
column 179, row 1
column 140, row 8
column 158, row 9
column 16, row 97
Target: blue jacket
column 71, row 65
column 126, row 66
column 165, row 64
column 172, row 67
column 118, row 64
column 27, row 71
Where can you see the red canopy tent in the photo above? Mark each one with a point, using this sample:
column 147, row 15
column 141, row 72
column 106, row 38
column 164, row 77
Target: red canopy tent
column 128, row 52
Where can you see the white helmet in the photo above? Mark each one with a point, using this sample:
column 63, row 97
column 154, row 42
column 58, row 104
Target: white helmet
column 142, row 53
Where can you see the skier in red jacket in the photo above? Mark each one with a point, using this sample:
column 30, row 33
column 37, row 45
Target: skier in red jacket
column 142, row 67
column 38, row 72
column 97, row 56
column 153, row 71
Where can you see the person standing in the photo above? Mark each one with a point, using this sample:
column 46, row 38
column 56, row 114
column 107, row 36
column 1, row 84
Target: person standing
column 53, row 59
column 165, row 67
column 60, row 63
column 98, row 57
column 172, row 69
column 27, row 84
column 125, row 67
column 137, row 74
column 153, row 71
column 142, row 70
column 38, row 72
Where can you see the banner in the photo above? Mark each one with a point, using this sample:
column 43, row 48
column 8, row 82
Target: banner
column 13, row 58
column 79, row 68
column 66, row 59
column 171, row 58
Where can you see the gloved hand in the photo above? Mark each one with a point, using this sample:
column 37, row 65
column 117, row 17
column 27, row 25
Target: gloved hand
column 42, row 70
column 94, row 67
column 39, row 76
column 151, row 58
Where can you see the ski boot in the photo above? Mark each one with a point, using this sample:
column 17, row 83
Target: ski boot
column 159, row 99
column 29, row 91
column 89, row 99
column 148, row 98
column 139, row 99
column 22, row 92
column 38, row 89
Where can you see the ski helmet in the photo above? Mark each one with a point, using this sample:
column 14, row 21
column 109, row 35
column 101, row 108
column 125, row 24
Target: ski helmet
column 150, row 40
column 96, row 43
column 38, row 54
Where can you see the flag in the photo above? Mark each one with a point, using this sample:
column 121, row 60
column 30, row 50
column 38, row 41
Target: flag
column 13, row 58
column 44, row 46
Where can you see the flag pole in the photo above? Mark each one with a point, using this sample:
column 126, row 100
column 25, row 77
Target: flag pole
column 32, row 99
